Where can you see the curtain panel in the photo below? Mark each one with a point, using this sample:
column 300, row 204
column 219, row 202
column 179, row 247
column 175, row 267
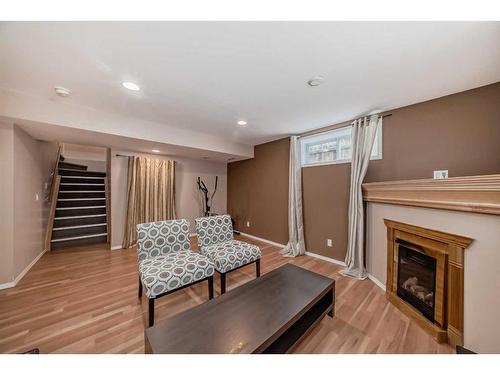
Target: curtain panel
column 151, row 194
column 296, row 245
column 363, row 137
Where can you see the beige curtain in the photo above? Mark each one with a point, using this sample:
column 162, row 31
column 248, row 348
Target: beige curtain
column 295, row 245
column 363, row 137
column 151, row 194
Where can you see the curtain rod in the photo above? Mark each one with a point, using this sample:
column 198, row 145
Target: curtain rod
column 127, row 156
column 333, row 127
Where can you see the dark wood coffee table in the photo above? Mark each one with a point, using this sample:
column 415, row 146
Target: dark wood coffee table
column 267, row 315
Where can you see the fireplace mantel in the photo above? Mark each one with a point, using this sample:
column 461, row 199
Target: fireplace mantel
column 480, row 194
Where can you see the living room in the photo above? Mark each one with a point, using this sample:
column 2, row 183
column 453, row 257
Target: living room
column 231, row 187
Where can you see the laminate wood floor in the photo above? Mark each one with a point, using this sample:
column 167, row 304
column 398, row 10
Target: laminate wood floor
column 84, row 300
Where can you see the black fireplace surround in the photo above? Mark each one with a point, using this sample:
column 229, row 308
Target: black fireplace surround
column 417, row 278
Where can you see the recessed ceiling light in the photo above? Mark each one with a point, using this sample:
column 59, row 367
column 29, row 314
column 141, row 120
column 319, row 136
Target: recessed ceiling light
column 156, row 151
column 131, row 86
column 315, row 81
column 242, row 122
column 62, row 91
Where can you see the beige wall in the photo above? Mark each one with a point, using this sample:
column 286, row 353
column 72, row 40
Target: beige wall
column 93, row 157
column 29, row 181
column 83, row 152
column 481, row 265
column 7, row 203
column 93, row 165
column 25, row 167
column 188, row 199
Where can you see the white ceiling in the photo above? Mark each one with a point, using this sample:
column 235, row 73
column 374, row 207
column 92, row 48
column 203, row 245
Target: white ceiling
column 204, row 76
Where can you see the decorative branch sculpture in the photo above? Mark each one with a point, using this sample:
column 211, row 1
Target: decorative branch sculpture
column 203, row 188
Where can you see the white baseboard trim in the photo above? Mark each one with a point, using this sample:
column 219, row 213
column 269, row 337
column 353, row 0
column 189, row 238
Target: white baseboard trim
column 23, row 272
column 118, row 247
column 377, row 282
column 7, row 285
column 262, row 239
column 327, row 259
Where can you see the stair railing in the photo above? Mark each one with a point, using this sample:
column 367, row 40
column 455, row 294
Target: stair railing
column 52, row 199
column 54, row 174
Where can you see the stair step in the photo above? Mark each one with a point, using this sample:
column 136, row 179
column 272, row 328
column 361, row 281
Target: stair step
column 66, row 165
column 63, row 244
column 85, row 202
column 80, row 187
column 80, row 173
column 82, row 180
column 78, row 232
column 72, row 221
column 77, row 195
column 80, row 226
column 77, row 207
column 67, row 212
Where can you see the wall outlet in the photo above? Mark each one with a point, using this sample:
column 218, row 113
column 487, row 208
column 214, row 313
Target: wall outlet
column 36, row 197
column 329, row 242
column 440, row 174
column 248, row 224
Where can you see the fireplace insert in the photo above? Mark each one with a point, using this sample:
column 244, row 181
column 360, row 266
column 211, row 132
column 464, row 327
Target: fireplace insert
column 417, row 278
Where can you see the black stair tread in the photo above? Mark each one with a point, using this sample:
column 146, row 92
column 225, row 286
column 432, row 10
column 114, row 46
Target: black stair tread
column 80, row 242
column 62, row 203
column 82, row 180
column 80, row 237
column 80, row 212
column 81, row 173
column 70, row 232
column 67, row 165
column 72, row 195
column 80, row 187
column 75, row 180
column 76, row 221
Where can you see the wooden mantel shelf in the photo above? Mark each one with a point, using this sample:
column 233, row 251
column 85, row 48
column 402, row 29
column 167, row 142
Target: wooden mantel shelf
column 479, row 194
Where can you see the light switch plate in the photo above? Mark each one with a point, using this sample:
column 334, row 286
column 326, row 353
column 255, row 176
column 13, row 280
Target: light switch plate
column 440, row 174
column 248, row 224
column 329, row 242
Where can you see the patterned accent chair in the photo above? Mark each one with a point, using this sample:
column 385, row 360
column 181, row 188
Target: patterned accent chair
column 166, row 263
column 215, row 241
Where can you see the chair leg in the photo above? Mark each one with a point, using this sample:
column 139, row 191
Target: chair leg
column 210, row 287
column 222, row 283
column 151, row 312
column 257, row 267
column 140, row 287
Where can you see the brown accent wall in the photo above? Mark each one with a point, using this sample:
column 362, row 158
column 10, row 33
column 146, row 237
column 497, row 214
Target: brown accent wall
column 459, row 132
column 325, row 199
column 258, row 191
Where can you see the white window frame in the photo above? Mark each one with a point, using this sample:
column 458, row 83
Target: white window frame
column 377, row 146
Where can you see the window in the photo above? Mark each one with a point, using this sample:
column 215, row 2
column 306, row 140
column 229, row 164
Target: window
column 333, row 147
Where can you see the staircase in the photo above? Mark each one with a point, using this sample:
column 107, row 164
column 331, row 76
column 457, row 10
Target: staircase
column 80, row 213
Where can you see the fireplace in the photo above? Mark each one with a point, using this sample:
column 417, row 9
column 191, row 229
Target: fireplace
column 425, row 278
column 416, row 278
